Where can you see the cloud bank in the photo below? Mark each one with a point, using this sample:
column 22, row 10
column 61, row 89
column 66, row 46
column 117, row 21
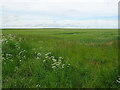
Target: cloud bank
column 60, row 13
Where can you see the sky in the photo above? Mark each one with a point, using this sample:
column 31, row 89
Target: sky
column 59, row 13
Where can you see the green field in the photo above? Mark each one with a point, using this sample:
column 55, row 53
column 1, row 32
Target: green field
column 60, row 58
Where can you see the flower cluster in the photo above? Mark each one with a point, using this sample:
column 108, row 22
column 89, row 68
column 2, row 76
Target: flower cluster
column 53, row 62
column 15, row 51
column 37, row 55
column 8, row 37
column 14, row 48
column 118, row 80
column 38, row 86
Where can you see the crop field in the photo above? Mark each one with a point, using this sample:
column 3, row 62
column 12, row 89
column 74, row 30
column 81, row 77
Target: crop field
column 59, row 58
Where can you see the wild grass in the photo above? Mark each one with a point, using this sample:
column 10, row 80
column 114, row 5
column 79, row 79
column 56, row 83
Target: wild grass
column 58, row 58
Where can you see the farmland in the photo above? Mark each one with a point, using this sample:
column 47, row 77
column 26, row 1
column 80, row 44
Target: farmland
column 60, row 58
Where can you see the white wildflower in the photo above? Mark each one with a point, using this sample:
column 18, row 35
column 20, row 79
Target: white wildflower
column 37, row 58
column 38, row 85
column 38, row 54
column 60, row 58
column 118, row 81
column 58, row 64
column 20, row 39
column 47, row 53
column 54, row 60
column 47, row 57
column 53, row 67
column 24, row 56
column 11, row 60
column 44, row 61
column 20, row 53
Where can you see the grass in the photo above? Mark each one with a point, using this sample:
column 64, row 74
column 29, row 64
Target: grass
column 60, row 58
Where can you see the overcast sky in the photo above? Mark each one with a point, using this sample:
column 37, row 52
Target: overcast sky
column 60, row 13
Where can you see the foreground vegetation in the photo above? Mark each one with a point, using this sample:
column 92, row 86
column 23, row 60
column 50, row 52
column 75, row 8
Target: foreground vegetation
column 59, row 58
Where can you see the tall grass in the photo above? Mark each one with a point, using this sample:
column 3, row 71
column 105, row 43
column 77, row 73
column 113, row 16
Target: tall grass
column 43, row 59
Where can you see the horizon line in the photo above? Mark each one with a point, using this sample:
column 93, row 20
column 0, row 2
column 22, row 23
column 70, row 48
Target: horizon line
column 56, row 28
